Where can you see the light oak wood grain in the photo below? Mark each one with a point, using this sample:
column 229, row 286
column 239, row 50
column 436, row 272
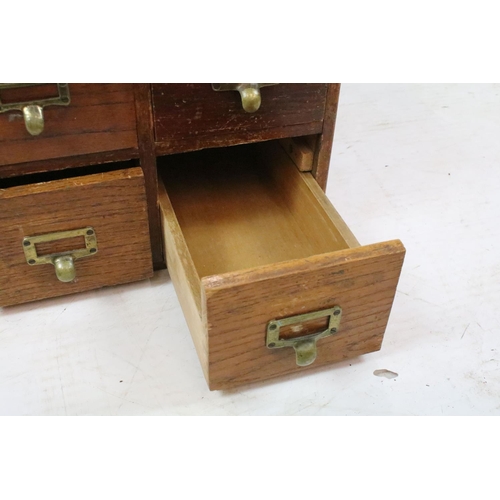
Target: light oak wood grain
column 305, row 197
column 251, row 240
column 236, row 211
column 185, row 277
column 239, row 306
column 114, row 203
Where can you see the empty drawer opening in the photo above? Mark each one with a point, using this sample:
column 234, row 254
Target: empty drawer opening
column 249, row 206
column 65, row 173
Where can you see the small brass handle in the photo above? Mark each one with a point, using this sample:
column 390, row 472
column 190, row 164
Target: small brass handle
column 33, row 119
column 249, row 92
column 64, row 263
column 305, row 347
column 305, row 352
column 33, row 110
column 250, row 99
column 65, row 268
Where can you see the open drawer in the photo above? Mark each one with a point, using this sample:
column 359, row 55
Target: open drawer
column 269, row 277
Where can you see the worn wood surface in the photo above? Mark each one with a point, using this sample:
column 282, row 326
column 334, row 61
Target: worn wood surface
column 145, row 136
column 263, row 242
column 324, row 145
column 193, row 116
column 100, row 117
column 239, row 305
column 102, row 125
column 114, row 203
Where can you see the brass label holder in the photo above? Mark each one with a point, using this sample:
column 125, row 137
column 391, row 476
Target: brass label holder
column 33, row 110
column 305, row 346
column 63, row 262
column 249, row 92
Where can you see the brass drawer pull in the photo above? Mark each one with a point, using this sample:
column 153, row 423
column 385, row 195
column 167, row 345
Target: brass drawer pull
column 63, row 262
column 33, row 110
column 249, row 92
column 305, row 346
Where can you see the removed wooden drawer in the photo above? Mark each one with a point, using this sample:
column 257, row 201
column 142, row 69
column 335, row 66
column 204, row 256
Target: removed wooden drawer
column 90, row 230
column 78, row 119
column 194, row 116
column 268, row 275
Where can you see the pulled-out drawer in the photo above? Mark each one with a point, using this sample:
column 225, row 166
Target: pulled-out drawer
column 269, row 277
column 191, row 116
column 72, row 234
column 49, row 121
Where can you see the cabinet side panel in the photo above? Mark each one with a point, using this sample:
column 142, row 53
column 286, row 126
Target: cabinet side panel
column 325, row 142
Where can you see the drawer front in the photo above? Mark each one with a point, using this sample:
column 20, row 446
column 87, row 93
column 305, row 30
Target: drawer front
column 109, row 214
column 194, row 116
column 251, row 242
column 361, row 282
column 98, row 118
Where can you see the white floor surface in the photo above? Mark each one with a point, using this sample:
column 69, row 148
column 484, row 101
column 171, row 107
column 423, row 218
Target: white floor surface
column 416, row 162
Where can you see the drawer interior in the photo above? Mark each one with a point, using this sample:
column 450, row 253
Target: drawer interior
column 248, row 206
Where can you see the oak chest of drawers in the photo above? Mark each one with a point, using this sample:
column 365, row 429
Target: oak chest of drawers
column 223, row 183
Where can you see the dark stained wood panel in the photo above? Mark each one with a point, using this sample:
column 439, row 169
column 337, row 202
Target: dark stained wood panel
column 321, row 162
column 193, row 116
column 145, row 137
column 100, row 118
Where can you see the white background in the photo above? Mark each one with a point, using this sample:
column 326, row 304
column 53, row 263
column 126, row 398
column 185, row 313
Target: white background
column 376, row 458
column 418, row 162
